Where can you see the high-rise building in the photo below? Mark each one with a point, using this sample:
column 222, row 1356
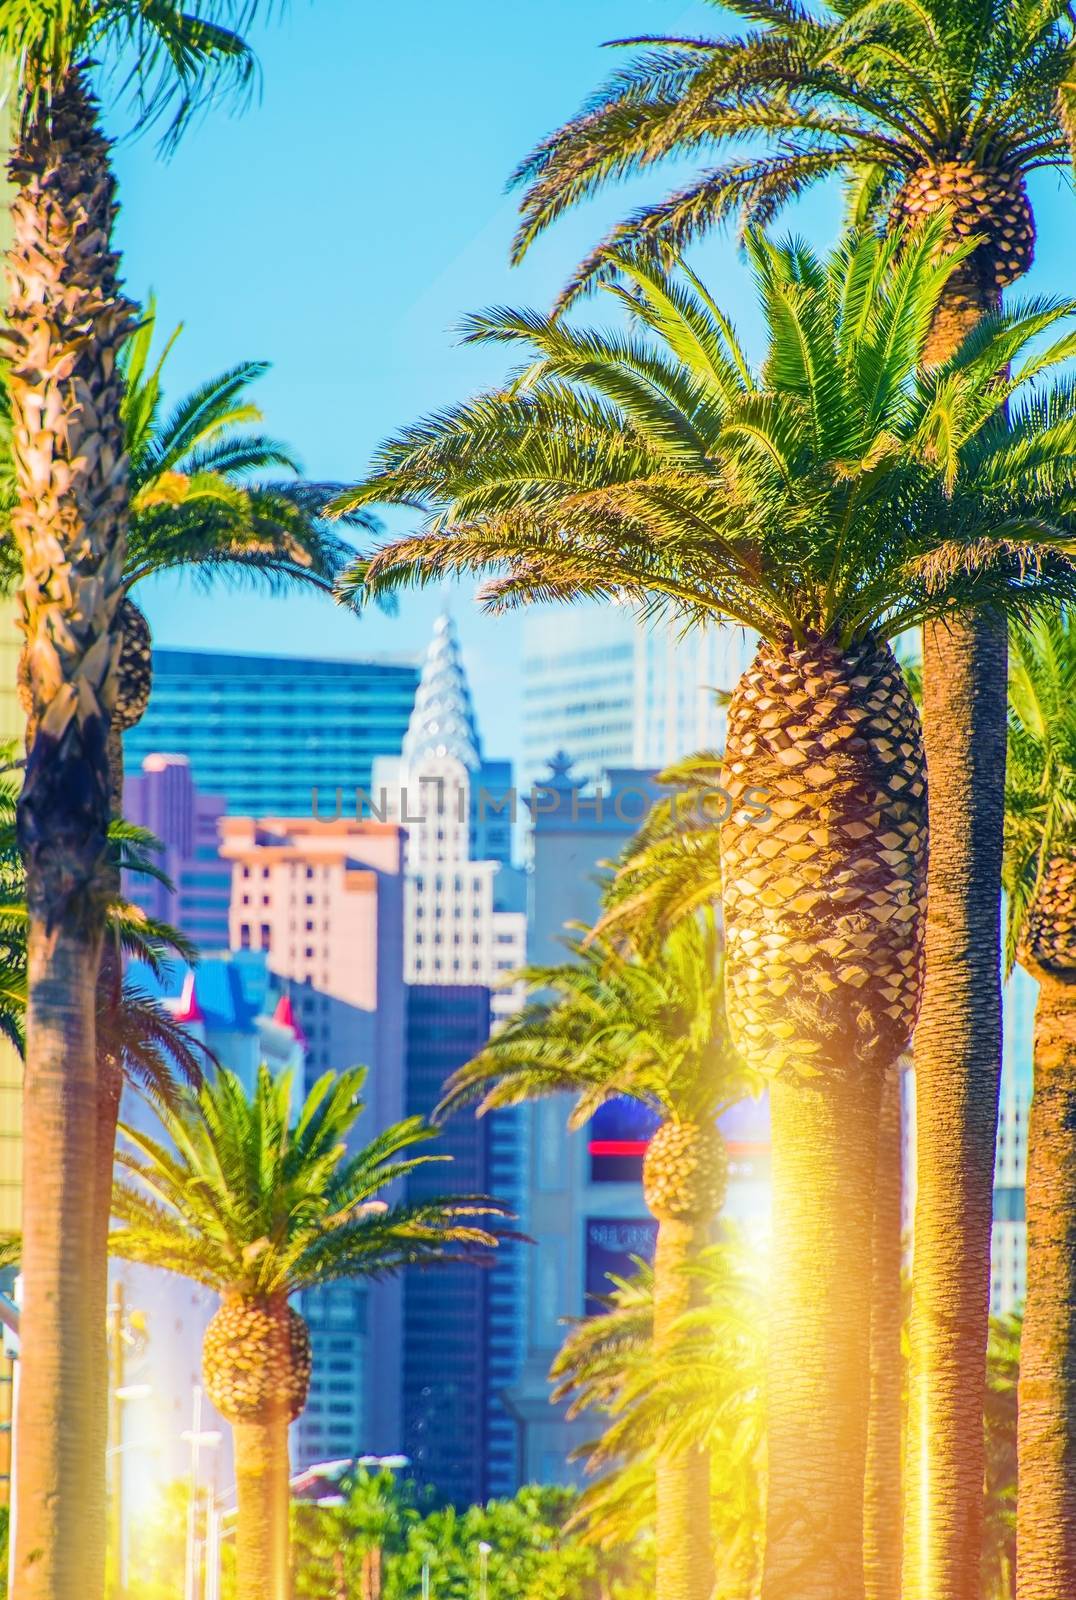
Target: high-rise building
column 610, row 690
column 464, row 901
column 266, row 731
column 164, row 798
column 465, row 930
column 324, row 901
column 446, row 1377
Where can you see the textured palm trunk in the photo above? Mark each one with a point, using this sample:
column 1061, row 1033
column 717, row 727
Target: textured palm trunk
column 59, row 1551
column 823, row 896
column 685, row 1179
column 819, row 1384
column 256, row 1364
column 261, row 1479
column 68, row 321
column 882, row 1497
column 1046, row 1508
column 685, row 1561
column 958, row 1074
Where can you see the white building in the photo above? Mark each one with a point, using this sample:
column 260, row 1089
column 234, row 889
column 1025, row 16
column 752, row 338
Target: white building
column 464, row 902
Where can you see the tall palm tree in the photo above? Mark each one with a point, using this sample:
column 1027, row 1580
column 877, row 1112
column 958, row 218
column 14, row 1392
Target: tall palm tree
column 1040, row 877
column 918, row 105
column 206, row 499
column 606, row 1024
column 831, row 500
column 259, row 1204
column 706, row 1392
column 67, row 320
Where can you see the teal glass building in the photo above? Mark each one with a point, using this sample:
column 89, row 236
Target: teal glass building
column 267, row 731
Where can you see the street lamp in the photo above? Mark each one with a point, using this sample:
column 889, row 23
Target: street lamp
column 483, row 1570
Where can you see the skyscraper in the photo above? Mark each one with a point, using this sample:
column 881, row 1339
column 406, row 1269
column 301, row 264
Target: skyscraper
column 448, row 1386
column 164, row 798
column 465, row 929
column 464, row 901
column 610, row 690
column 266, row 731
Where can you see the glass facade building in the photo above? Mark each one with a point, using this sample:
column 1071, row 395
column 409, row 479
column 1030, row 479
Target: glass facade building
column 267, row 731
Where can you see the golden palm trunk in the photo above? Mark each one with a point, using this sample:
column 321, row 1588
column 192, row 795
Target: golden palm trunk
column 1046, row 1508
column 823, row 895
column 256, row 1365
column 958, row 1040
column 882, row 1497
column 68, row 321
column 684, row 1181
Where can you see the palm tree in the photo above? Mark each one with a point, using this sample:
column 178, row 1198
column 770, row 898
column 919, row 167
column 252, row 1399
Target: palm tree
column 833, row 500
column 258, row 1206
column 606, row 1024
column 200, row 503
column 706, row 1392
column 919, row 106
column 68, row 318
column 1040, row 879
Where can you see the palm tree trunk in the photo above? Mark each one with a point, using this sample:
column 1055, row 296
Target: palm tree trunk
column 824, row 1145
column 958, row 1073
column 261, row 1477
column 1046, row 1507
column 882, row 1498
column 59, row 1530
column 68, row 320
column 685, row 1561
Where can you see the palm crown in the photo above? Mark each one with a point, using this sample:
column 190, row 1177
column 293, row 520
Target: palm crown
column 838, row 491
column 607, row 1023
column 245, row 1199
column 887, row 97
column 211, row 494
column 184, row 55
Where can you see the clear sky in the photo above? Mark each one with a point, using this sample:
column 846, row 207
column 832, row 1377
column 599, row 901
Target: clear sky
column 344, row 223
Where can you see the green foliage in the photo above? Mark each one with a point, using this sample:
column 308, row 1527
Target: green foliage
column 840, row 490
column 240, row 1195
column 866, row 92
column 207, row 495
column 608, row 1023
column 183, row 57
column 706, row 1392
column 532, row 1556
column 1040, row 799
column 999, row 1532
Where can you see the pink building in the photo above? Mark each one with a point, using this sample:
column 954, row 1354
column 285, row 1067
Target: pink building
column 324, row 901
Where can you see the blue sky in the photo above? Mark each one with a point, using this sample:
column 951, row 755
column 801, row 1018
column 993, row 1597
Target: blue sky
column 344, row 223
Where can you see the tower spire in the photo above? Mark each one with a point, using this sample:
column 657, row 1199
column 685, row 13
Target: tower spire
column 442, row 719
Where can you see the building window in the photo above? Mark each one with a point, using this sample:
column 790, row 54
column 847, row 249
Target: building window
column 266, row 932
column 244, row 936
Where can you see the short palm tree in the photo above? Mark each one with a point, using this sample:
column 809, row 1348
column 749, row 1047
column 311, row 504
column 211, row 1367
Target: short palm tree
column 259, row 1204
column 1040, row 877
column 919, row 106
column 832, row 499
column 67, row 319
column 605, row 1024
column 705, row 1392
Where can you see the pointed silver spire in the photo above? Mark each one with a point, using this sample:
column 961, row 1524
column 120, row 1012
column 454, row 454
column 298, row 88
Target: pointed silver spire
column 442, row 718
